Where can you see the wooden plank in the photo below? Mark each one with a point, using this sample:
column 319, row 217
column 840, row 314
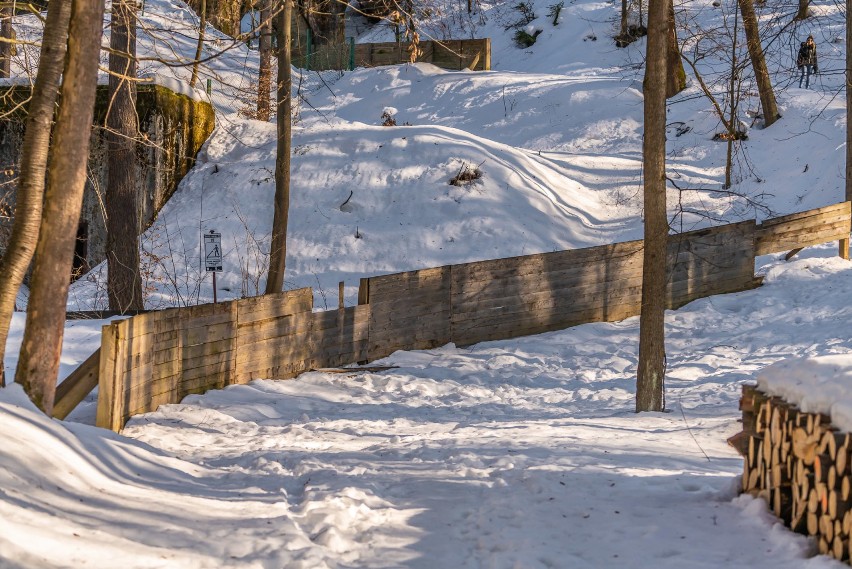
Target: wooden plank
column 779, row 231
column 273, row 353
column 543, row 262
column 778, row 244
column 77, row 385
column 842, row 207
column 214, row 333
column 837, row 218
column 512, row 328
column 277, row 372
column 108, row 387
column 281, row 327
column 265, row 307
column 563, row 279
column 387, row 286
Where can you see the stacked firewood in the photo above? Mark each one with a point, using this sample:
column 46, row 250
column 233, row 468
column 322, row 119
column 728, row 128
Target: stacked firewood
column 800, row 465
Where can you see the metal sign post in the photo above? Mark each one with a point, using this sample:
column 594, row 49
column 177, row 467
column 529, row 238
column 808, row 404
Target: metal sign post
column 213, row 256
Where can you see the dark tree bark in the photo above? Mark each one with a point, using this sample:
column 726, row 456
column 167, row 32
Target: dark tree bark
column 733, row 96
column 264, row 81
column 758, row 63
column 124, row 285
column 624, row 14
column 278, row 252
column 676, row 76
column 848, row 103
column 202, row 28
column 325, row 18
column 802, row 14
column 38, row 365
column 649, row 381
column 5, row 41
column 34, row 152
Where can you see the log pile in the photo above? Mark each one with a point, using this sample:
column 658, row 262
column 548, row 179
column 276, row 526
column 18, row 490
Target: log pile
column 800, row 464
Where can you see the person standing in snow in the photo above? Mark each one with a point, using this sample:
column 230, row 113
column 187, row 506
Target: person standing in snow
column 807, row 61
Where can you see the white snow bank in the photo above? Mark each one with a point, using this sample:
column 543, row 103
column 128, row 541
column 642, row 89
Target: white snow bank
column 821, row 384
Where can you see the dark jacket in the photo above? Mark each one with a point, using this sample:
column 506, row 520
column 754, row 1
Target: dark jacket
column 807, row 55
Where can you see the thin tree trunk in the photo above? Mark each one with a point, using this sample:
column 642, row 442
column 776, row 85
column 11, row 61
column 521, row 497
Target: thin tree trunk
column 676, row 76
column 848, row 102
column 34, row 151
column 264, row 80
column 202, row 27
column 5, row 42
column 649, row 380
column 38, row 364
column 802, row 14
column 758, row 63
column 124, row 285
column 732, row 95
column 623, row 32
column 278, row 252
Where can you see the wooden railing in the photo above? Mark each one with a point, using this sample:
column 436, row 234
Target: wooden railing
column 160, row 357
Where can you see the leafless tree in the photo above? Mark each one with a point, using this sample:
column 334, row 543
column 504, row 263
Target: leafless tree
column 38, row 364
column 124, row 285
column 758, row 63
column 5, row 40
column 264, row 81
column 33, row 164
column 651, row 369
column 278, row 252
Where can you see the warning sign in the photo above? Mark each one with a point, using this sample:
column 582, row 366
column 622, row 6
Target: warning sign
column 213, row 251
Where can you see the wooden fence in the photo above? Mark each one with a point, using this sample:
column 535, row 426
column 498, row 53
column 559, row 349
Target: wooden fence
column 474, row 54
column 160, row 357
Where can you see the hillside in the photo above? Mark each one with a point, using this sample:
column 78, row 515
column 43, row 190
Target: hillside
column 555, row 129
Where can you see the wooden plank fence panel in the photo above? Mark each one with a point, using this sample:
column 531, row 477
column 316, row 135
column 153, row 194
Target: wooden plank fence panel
column 425, row 324
column 801, row 229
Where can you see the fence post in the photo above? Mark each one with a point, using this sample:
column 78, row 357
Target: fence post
column 209, row 86
column 110, row 389
column 310, row 46
column 351, row 54
column 844, row 248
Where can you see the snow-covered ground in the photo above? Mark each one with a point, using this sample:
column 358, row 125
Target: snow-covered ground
column 513, row 454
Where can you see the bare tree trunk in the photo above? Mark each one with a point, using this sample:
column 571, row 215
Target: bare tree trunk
column 649, row 380
column 38, row 365
column 734, row 100
column 202, row 27
column 624, row 13
column 5, row 41
column 278, row 252
column 34, row 152
column 848, row 102
column 758, row 63
column 264, row 81
column 124, row 285
column 802, row 14
column 676, row 76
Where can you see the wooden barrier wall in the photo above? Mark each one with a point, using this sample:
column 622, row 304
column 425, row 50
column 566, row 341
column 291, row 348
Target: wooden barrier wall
column 450, row 54
column 518, row 296
column 811, row 227
column 160, row 357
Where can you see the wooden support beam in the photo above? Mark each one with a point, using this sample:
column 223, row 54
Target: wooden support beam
column 77, row 386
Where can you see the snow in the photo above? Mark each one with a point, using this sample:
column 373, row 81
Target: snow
column 814, row 384
column 512, row 454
